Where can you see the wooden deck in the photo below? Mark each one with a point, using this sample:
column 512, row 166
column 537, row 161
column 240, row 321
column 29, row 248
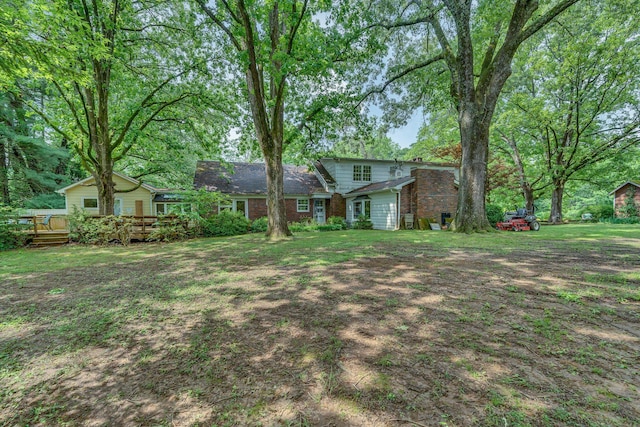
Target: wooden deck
column 56, row 232
column 53, row 232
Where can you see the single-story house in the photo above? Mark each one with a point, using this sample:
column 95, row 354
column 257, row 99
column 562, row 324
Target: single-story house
column 382, row 190
column 621, row 193
column 246, row 186
column 132, row 197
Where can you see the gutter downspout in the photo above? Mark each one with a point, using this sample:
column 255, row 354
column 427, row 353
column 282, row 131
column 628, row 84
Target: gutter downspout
column 397, row 225
column 398, row 214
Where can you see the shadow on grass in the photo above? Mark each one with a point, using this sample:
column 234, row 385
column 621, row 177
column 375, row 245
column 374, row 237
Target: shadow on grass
column 305, row 334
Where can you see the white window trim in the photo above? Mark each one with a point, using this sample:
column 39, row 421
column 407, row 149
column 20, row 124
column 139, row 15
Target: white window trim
column 354, row 217
column 361, row 174
column 166, row 204
column 246, row 206
column 234, row 206
column 298, row 205
column 91, row 198
column 226, row 206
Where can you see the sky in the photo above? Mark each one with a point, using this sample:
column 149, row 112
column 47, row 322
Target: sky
column 406, row 135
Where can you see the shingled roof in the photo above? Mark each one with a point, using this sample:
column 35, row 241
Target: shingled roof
column 251, row 179
column 324, row 173
column 382, row 186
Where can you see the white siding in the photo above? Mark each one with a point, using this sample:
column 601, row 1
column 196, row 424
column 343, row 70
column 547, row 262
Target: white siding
column 342, row 172
column 383, row 211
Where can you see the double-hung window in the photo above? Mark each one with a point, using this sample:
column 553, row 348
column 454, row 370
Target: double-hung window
column 303, row 205
column 362, row 207
column 362, row 173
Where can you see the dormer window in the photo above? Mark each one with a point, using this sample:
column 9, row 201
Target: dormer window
column 362, row 173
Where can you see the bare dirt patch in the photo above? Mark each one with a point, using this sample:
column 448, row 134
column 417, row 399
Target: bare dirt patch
column 403, row 334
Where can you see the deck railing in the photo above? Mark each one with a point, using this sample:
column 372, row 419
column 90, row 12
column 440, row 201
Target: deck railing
column 36, row 224
column 146, row 223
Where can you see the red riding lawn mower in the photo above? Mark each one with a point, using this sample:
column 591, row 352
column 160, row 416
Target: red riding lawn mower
column 520, row 220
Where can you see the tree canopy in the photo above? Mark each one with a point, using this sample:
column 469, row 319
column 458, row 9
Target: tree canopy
column 539, row 94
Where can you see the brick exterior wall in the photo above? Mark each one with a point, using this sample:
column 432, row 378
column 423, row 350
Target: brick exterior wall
column 337, row 206
column 406, row 196
column 257, row 208
column 433, row 193
column 291, row 205
column 621, row 195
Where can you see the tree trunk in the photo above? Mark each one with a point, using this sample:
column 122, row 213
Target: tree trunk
column 270, row 139
column 527, row 191
column 106, row 193
column 471, row 215
column 4, row 174
column 104, row 181
column 276, row 209
column 525, row 185
column 555, row 217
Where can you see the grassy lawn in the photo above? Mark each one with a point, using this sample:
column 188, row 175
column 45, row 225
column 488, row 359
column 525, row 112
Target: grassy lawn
column 355, row 328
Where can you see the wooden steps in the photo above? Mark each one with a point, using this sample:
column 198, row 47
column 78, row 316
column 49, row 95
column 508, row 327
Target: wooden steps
column 50, row 238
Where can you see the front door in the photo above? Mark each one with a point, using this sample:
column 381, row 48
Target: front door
column 319, row 215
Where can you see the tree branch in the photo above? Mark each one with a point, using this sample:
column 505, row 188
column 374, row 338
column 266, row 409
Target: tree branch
column 439, row 57
column 164, row 105
column 220, row 24
column 294, row 29
column 142, row 105
column 545, row 19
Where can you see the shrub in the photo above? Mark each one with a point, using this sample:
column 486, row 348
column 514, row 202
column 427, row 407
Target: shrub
column 11, row 231
column 80, row 229
column 629, row 209
column 495, row 214
column 337, row 220
column 260, row 225
column 307, row 224
column 330, row 227
column 629, row 220
column 307, row 220
column 598, row 212
column 84, row 228
column 363, row 223
column 226, row 223
column 296, row 227
column 170, row 229
column 601, row 211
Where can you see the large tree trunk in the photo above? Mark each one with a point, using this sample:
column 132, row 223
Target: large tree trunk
column 276, row 209
column 476, row 94
column 474, row 134
column 527, row 191
column 106, row 190
column 555, row 217
column 4, row 174
column 270, row 139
